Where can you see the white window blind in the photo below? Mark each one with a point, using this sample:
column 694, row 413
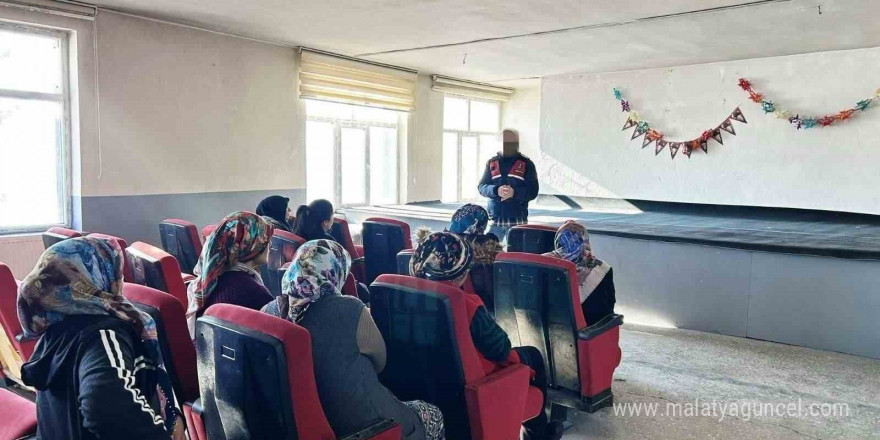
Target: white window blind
column 346, row 80
column 470, row 89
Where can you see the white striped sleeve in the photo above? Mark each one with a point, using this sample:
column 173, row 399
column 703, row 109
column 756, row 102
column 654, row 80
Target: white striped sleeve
column 117, row 361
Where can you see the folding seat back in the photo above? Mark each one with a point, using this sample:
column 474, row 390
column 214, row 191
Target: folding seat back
column 282, row 248
column 57, row 234
column 342, row 234
column 207, row 231
column 383, row 239
column 9, row 315
column 537, row 304
column 257, row 379
column 19, row 416
column 431, row 357
column 122, row 245
column 403, row 259
column 481, row 278
column 177, row 348
column 532, row 239
column 181, row 239
column 153, row 267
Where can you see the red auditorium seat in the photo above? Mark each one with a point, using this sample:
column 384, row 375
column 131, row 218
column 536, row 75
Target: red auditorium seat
column 258, row 380
column 19, row 416
column 153, row 267
column 207, row 231
column 532, row 239
column 122, row 245
column 282, row 248
column 57, row 234
column 9, row 315
column 181, row 239
column 383, row 239
column 178, row 351
column 537, row 304
column 342, row 234
column 431, row 357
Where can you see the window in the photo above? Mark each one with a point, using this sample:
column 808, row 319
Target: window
column 34, row 127
column 471, row 133
column 351, row 154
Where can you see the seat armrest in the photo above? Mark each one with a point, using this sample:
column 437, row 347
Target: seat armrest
column 357, row 260
column 497, row 402
column 195, row 425
column 384, row 429
column 605, row 324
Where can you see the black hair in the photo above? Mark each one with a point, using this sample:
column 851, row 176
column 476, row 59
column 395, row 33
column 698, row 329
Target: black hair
column 309, row 218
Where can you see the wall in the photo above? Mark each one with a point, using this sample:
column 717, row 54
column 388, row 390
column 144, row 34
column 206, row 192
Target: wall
column 425, row 145
column 768, row 163
column 523, row 113
column 193, row 124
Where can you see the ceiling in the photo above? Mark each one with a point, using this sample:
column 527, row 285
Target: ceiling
column 493, row 40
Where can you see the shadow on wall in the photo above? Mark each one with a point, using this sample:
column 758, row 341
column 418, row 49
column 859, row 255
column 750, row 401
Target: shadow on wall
column 560, row 178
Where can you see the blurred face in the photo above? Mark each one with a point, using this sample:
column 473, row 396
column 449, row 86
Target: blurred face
column 289, row 214
column 327, row 225
column 262, row 258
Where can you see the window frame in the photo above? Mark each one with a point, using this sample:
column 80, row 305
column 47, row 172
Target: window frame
column 338, row 126
column 64, row 98
column 460, row 134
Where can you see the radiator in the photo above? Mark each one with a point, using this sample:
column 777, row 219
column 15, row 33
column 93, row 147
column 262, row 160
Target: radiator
column 20, row 252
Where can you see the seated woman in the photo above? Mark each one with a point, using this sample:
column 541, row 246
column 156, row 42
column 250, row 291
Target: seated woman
column 347, row 349
column 595, row 279
column 96, row 368
column 446, row 257
column 470, row 222
column 228, row 269
column 275, row 210
column 314, row 221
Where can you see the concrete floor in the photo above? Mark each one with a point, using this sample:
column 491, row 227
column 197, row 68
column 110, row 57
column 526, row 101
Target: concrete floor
column 667, row 366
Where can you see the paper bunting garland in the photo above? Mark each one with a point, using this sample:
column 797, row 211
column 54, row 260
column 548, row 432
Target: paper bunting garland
column 652, row 135
column 805, row 122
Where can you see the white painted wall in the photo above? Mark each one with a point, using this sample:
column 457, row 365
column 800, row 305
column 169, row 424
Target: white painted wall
column 425, row 145
column 769, row 163
column 188, row 111
column 523, row 113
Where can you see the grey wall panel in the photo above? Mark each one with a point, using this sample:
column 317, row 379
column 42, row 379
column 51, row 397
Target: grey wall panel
column 681, row 285
column 824, row 303
column 136, row 218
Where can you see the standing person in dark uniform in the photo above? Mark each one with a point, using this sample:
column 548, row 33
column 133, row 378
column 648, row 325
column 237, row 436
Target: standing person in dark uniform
column 510, row 181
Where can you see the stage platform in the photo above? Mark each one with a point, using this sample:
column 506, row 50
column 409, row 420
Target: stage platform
column 794, row 231
column 807, row 278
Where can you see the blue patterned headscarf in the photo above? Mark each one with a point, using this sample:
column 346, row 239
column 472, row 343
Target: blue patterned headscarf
column 470, row 219
column 83, row 276
column 443, row 256
column 319, row 269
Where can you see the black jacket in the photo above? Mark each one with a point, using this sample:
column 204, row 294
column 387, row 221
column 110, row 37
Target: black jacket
column 92, row 382
column 524, row 182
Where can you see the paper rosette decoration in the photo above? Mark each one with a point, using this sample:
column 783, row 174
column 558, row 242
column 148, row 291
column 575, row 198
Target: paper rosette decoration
column 805, row 122
column 652, row 135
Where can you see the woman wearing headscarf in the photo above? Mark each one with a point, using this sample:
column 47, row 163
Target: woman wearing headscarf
column 446, row 257
column 347, row 349
column 275, row 210
column 595, row 279
column 97, row 367
column 228, row 268
column 470, row 222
